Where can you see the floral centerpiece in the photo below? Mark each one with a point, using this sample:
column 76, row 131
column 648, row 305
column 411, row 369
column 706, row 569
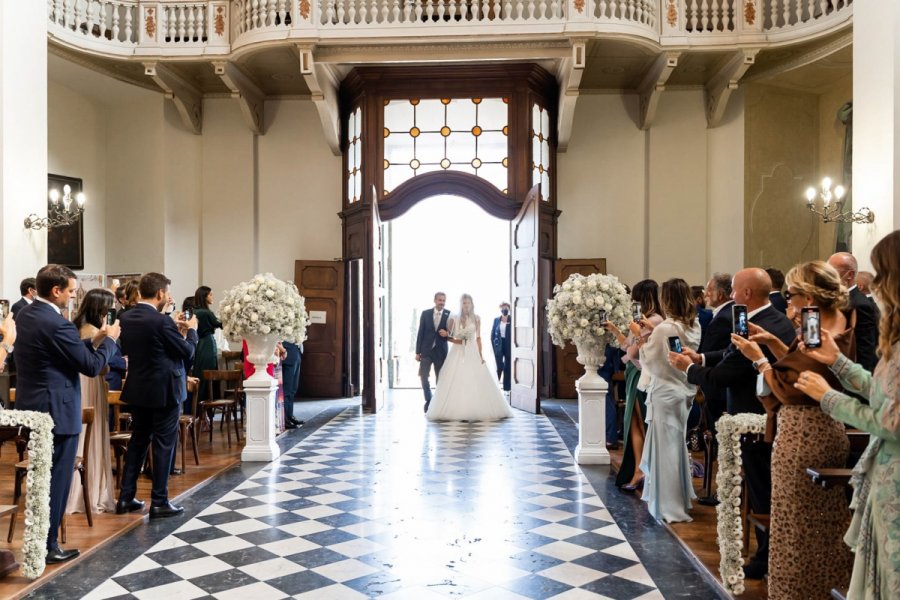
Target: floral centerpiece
column 37, row 495
column 263, row 311
column 729, row 429
column 574, row 313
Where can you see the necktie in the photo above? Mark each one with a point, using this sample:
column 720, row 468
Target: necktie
column 437, row 319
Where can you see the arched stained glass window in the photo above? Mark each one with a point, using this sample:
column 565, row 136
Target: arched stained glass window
column 460, row 134
column 540, row 150
column 354, row 156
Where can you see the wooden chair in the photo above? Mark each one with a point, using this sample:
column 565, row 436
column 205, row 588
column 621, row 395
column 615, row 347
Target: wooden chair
column 12, row 510
column 118, row 439
column 187, row 424
column 228, row 406
column 233, row 359
column 81, row 462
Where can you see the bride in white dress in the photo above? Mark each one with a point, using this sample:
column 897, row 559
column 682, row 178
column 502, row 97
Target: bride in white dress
column 466, row 390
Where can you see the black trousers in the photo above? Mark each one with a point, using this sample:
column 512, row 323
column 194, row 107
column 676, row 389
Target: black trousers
column 757, row 460
column 65, row 448
column 161, row 426
column 290, row 376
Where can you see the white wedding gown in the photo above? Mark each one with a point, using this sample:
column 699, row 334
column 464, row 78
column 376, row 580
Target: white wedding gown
column 466, row 389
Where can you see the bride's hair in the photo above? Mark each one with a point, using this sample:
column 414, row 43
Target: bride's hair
column 463, row 315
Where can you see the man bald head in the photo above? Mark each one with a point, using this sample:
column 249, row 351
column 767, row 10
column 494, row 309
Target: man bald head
column 864, row 282
column 751, row 287
column 846, row 266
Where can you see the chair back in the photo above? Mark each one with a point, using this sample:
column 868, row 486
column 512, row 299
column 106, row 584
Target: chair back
column 211, row 376
column 233, row 359
column 193, row 388
column 87, row 419
column 114, row 401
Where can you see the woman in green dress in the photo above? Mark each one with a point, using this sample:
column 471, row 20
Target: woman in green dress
column 206, row 356
column 874, row 534
column 629, row 477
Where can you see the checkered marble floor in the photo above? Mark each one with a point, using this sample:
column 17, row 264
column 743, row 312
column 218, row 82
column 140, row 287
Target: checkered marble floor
column 391, row 506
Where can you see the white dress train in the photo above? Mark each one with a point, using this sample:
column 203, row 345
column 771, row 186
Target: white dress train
column 466, row 389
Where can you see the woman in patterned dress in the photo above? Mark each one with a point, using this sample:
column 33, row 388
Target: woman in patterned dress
column 874, row 534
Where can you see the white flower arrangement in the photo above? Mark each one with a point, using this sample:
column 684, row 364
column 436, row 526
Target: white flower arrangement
column 464, row 335
column 729, row 429
column 265, row 305
column 37, row 494
column 574, row 311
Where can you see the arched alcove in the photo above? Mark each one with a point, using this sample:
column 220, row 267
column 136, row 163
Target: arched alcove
column 453, row 183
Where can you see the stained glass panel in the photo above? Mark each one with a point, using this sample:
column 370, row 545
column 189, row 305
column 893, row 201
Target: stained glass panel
column 540, row 150
column 354, row 156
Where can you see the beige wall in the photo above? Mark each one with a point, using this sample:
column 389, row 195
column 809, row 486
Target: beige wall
column 831, row 148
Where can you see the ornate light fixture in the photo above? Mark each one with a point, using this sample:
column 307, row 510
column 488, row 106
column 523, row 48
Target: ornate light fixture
column 63, row 211
column 833, row 205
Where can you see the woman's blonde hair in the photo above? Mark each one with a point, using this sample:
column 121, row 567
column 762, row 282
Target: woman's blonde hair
column 820, row 281
column 885, row 258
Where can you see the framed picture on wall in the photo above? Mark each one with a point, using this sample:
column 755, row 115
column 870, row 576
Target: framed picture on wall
column 65, row 245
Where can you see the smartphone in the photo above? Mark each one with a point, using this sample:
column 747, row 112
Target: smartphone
column 4, row 309
column 636, row 312
column 675, row 344
column 110, row 316
column 602, row 315
column 739, row 317
column 810, row 326
column 188, row 313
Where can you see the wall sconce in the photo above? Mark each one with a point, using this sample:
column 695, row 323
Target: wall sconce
column 833, row 205
column 63, row 211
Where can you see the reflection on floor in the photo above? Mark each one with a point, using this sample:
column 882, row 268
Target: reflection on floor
column 391, row 506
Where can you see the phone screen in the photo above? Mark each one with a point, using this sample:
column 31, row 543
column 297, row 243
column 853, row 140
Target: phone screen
column 636, row 312
column 110, row 316
column 741, row 322
column 188, row 313
column 4, row 309
column 675, row 344
column 602, row 315
column 810, row 326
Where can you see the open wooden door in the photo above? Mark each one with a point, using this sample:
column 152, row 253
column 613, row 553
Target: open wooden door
column 525, row 304
column 567, row 367
column 321, row 283
column 374, row 362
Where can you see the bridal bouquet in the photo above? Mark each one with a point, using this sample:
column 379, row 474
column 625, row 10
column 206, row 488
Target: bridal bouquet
column 264, row 305
column 464, row 335
column 574, row 311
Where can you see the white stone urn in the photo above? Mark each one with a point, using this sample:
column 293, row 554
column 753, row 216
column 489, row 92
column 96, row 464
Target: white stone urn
column 591, row 449
column 260, row 353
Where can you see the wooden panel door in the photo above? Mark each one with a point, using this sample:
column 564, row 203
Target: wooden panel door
column 321, row 283
column 567, row 367
column 525, row 343
column 374, row 363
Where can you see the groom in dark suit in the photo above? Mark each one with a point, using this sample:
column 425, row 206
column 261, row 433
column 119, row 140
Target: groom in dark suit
column 431, row 342
column 49, row 356
column 157, row 349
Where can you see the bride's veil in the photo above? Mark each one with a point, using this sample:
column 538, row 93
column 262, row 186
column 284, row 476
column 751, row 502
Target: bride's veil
column 462, row 318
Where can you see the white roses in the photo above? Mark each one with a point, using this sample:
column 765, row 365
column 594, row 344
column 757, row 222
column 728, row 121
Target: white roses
column 574, row 311
column 264, row 305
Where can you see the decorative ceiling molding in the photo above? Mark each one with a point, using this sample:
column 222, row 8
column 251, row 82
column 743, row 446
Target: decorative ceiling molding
column 250, row 98
column 724, row 82
column 188, row 99
column 323, row 81
column 569, row 73
column 84, row 60
column 653, row 85
column 814, row 55
column 532, row 51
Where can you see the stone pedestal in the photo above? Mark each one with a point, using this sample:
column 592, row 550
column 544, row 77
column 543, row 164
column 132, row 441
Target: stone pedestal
column 591, row 449
column 260, row 443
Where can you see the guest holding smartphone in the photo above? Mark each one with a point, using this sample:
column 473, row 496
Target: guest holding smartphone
column 807, row 556
column 876, row 478
column 206, row 357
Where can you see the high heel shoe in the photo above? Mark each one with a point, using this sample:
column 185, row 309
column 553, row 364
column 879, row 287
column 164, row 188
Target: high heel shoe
column 633, row 487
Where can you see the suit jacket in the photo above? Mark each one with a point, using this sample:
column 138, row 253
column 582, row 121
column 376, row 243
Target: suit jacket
column 49, row 356
column 778, row 301
column 866, row 329
column 16, row 307
column 156, row 357
column 428, row 342
column 731, row 371
column 499, row 343
column 717, row 337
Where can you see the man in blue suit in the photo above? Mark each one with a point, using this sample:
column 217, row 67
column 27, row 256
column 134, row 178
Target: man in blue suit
column 157, row 349
column 431, row 343
column 49, row 356
column 290, row 374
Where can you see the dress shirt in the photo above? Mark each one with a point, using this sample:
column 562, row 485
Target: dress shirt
column 750, row 315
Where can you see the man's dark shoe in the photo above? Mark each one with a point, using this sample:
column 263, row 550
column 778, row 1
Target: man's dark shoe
column 755, row 569
column 296, row 422
column 127, row 506
column 176, row 472
column 165, row 510
column 290, row 425
column 58, row 555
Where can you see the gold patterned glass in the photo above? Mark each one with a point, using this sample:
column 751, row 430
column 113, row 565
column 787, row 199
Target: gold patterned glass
column 540, row 150
column 354, row 156
column 458, row 134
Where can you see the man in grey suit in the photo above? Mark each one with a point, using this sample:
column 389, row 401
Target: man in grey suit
column 431, row 343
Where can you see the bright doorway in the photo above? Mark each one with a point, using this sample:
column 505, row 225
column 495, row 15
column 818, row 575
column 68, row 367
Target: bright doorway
column 449, row 244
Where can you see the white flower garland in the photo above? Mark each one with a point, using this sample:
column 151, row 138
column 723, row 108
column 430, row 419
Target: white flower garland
column 574, row 311
column 730, row 527
column 37, row 494
column 265, row 305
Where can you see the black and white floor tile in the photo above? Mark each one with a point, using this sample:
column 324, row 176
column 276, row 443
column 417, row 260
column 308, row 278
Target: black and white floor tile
column 393, row 507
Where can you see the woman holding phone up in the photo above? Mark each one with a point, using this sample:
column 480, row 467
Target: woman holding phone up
column 874, row 533
column 207, row 355
column 806, row 555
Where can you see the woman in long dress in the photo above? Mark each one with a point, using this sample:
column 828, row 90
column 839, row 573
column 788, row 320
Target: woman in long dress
column 807, row 557
column 101, row 485
column 206, row 356
column 630, row 477
column 668, row 490
column 874, row 533
column 466, row 390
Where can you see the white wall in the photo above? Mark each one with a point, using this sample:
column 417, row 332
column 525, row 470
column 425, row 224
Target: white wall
column 725, row 186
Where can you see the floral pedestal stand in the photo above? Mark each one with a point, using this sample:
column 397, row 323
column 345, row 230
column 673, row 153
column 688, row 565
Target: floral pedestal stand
column 591, row 449
column 260, row 390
